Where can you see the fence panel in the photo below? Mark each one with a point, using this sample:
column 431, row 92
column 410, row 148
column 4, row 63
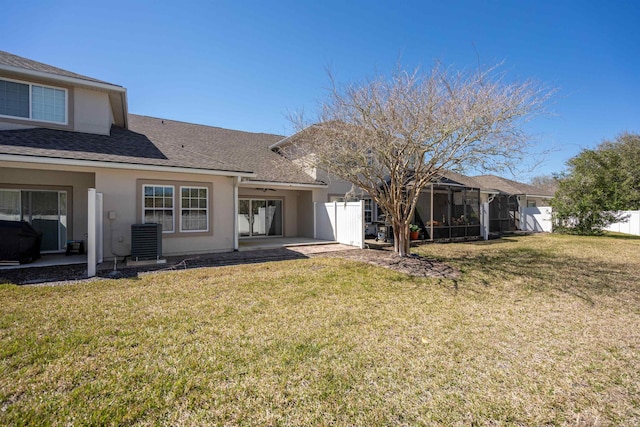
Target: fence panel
column 342, row 222
column 350, row 223
column 324, row 221
column 537, row 220
column 631, row 225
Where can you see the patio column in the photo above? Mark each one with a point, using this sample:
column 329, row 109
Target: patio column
column 236, row 182
column 91, row 233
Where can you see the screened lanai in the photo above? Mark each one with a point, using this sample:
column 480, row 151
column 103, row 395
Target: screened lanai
column 449, row 212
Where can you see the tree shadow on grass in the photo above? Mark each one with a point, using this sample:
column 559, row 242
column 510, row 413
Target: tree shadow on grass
column 620, row 236
column 546, row 271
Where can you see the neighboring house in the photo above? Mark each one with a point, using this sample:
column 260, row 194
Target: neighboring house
column 506, row 198
column 62, row 134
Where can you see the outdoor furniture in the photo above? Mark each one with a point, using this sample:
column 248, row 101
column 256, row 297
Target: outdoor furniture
column 19, row 242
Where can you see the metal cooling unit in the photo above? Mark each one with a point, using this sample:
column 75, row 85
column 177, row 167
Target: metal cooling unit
column 146, row 242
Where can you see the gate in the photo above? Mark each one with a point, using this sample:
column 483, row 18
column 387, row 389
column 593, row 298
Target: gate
column 340, row 221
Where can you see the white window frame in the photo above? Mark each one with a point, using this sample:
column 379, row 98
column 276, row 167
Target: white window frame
column 182, row 208
column 173, row 206
column 370, row 210
column 30, row 118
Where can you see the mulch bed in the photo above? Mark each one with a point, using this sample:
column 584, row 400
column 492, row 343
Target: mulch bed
column 52, row 275
column 413, row 265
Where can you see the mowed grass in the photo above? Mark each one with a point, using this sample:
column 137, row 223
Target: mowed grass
column 539, row 330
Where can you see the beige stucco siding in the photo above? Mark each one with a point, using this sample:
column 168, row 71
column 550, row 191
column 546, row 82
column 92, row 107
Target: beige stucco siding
column 92, row 111
column 121, row 197
column 305, row 214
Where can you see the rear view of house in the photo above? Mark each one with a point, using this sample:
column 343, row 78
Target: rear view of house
column 79, row 168
column 62, row 134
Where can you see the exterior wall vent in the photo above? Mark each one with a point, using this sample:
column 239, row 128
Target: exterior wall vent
column 146, row 242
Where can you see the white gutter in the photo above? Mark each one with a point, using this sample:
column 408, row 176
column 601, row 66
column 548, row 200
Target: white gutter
column 66, row 79
column 279, row 143
column 538, row 195
column 119, row 165
column 285, row 140
column 279, row 184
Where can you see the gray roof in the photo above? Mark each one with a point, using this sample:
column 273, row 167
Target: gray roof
column 161, row 142
column 497, row 183
column 12, row 60
column 505, row 185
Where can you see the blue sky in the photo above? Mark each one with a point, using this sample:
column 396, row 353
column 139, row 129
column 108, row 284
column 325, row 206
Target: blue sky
column 247, row 64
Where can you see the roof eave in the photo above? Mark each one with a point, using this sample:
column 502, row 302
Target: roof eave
column 282, row 184
column 120, row 165
column 280, row 143
column 65, row 79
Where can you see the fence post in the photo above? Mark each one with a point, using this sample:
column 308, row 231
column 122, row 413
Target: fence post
column 362, row 223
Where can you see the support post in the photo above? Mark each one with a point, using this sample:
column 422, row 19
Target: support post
column 91, row 233
column 236, row 243
column 485, row 220
column 99, row 228
column 315, row 220
column 431, row 214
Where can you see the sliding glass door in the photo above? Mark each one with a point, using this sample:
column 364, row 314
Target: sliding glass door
column 46, row 211
column 259, row 217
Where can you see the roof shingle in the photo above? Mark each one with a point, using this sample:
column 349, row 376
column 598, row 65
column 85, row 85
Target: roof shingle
column 161, row 142
column 12, row 60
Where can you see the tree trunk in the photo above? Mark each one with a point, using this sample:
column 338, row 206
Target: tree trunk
column 401, row 239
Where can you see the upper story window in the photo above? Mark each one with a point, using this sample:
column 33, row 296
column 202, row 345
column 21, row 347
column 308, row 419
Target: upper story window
column 33, row 101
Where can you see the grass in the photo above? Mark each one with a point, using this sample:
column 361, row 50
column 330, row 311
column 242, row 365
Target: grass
column 539, row 330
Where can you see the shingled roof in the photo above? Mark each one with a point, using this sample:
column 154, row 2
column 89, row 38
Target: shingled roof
column 511, row 187
column 161, row 142
column 12, row 60
column 497, row 183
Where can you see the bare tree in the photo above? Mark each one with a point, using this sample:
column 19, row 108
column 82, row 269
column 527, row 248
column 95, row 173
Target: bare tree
column 392, row 136
column 549, row 182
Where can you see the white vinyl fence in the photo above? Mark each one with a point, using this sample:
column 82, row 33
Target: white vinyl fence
column 339, row 221
column 537, row 220
column 631, row 225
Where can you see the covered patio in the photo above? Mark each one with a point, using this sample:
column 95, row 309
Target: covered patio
column 49, row 260
column 280, row 242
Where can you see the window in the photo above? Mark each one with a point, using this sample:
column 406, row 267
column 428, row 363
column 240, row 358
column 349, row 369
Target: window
column 368, row 210
column 31, row 101
column 194, row 212
column 531, row 203
column 158, row 206
column 182, row 207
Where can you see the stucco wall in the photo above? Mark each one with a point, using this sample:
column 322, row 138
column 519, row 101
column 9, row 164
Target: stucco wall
column 335, row 187
column 92, row 111
column 17, row 176
column 305, row 214
column 120, row 189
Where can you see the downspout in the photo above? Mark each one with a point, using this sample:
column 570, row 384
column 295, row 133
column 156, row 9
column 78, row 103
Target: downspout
column 236, row 182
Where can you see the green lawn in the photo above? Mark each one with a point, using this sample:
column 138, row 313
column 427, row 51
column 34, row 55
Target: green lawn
column 539, row 330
